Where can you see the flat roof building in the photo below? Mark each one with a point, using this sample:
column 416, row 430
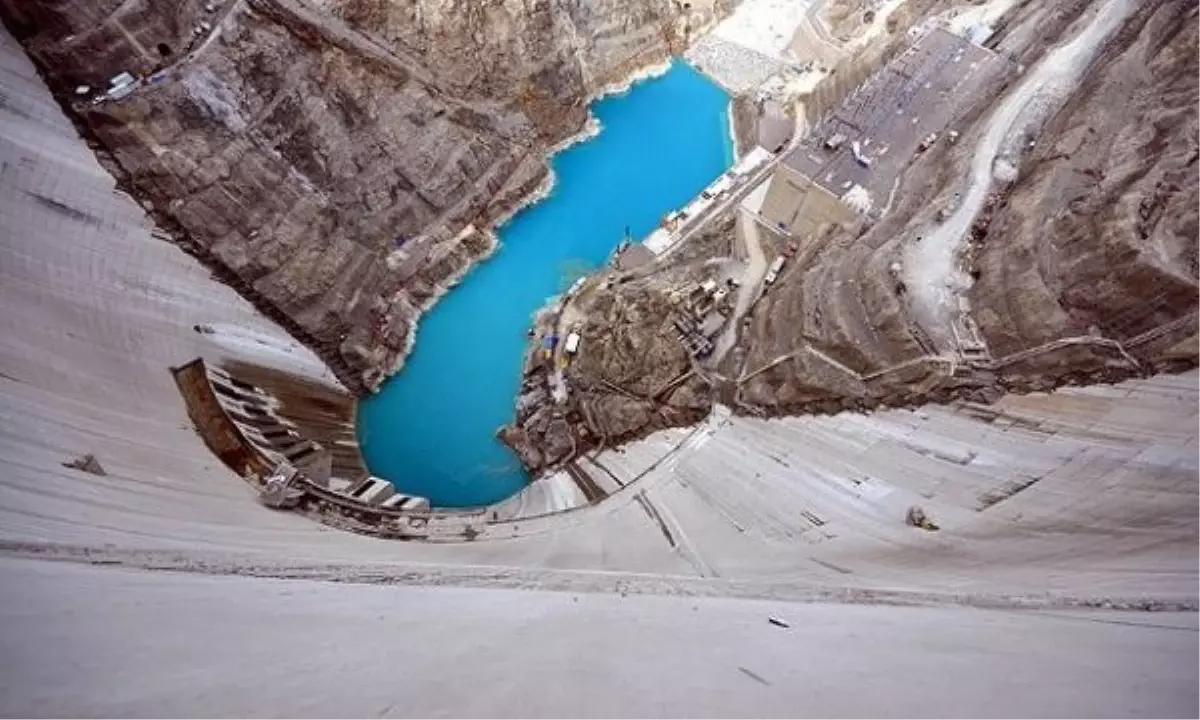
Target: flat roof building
column 854, row 156
column 572, row 345
column 882, row 124
column 799, row 207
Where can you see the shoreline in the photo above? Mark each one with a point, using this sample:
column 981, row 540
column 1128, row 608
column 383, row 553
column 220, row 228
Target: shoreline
column 733, row 135
column 440, row 291
column 591, row 128
column 620, row 87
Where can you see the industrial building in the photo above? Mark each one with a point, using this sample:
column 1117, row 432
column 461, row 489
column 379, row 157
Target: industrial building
column 851, row 160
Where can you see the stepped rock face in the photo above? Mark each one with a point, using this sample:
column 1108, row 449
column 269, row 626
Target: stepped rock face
column 340, row 163
column 1100, row 234
column 1080, row 267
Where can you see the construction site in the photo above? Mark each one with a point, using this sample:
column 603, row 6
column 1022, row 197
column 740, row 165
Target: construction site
column 842, row 174
column 906, row 397
column 858, row 152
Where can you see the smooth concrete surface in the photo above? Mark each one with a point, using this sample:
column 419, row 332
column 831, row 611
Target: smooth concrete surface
column 97, row 310
column 1048, row 503
column 797, row 205
column 93, row 641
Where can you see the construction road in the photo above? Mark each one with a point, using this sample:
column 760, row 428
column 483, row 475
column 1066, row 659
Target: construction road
column 931, row 265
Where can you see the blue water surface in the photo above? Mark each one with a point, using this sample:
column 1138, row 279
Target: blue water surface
column 431, row 428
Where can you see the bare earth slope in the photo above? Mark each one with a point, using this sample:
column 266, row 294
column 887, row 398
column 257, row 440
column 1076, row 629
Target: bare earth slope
column 1101, row 231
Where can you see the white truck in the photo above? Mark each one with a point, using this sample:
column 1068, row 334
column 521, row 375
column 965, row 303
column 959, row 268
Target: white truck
column 773, row 271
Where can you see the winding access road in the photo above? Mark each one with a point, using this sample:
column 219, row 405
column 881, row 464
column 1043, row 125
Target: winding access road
column 931, row 261
column 756, row 267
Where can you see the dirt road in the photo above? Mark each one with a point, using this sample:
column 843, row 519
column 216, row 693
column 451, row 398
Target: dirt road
column 756, row 267
column 931, row 266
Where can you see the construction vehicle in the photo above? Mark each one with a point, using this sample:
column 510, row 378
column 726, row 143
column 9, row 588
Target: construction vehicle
column 773, row 271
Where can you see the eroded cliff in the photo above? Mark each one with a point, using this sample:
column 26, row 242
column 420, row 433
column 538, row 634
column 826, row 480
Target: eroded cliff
column 1079, row 267
column 1100, row 234
column 341, row 163
column 1075, row 263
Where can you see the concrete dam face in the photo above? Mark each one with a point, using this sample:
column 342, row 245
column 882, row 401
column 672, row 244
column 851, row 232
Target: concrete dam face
column 1035, row 556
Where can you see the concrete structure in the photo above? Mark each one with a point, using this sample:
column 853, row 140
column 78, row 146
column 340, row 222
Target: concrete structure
column 277, row 645
column 372, row 491
column 239, row 423
column 711, row 200
column 751, row 161
column 164, row 588
column 800, row 207
column 775, row 128
column 398, row 501
column 856, row 153
column 750, row 45
column 916, row 94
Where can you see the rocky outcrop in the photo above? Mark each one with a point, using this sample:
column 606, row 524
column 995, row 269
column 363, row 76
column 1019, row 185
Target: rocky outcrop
column 340, row 163
column 1099, row 237
column 631, row 375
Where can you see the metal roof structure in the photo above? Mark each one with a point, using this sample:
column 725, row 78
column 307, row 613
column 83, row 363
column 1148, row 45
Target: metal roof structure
column 883, row 122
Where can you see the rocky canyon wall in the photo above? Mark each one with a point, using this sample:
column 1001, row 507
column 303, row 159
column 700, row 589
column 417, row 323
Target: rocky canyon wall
column 340, row 163
column 1082, row 265
column 1100, row 234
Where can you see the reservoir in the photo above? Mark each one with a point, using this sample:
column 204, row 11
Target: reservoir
column 431, row 428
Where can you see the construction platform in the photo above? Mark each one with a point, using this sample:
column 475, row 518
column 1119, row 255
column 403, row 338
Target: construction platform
column 870, row 139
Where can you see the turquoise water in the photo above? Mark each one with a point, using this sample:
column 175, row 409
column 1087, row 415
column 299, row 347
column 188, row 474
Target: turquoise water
column 431, row 428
